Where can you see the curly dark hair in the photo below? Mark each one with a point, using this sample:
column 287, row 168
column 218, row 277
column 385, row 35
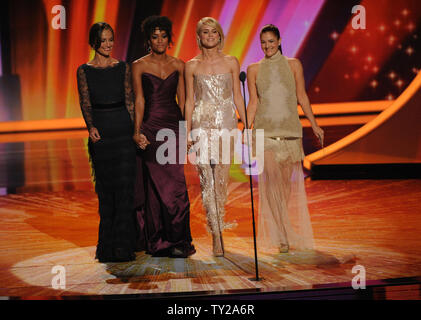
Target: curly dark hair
column 150, row 24
column 95, row 34
column 274, row 29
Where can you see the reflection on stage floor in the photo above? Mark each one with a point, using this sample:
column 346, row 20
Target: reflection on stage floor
column 48, row 217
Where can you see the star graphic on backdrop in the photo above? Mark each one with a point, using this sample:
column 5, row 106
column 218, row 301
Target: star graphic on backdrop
column 334, row 35
column 390, row 97
column 399, row 83
column 409, row 50
column 392, row 75
column 374, row 83
column 385, row 70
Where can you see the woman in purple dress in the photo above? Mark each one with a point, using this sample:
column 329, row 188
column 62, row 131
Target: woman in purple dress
column 163, row 207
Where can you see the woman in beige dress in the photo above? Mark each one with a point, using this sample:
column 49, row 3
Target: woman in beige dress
column 212, row 94
column 276, row 84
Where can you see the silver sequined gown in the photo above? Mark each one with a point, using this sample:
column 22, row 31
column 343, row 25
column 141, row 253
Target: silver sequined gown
column 214, row 109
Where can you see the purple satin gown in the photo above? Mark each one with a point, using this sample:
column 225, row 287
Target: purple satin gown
column 161, row 198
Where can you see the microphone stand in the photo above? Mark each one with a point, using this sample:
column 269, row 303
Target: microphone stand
column 242, row 79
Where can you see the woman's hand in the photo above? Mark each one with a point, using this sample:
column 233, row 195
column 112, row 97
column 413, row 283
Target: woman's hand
column 141, row 141
column 319, row 133
column 244, row 139
column 189, row 145
column 94, row 135
column 189, row 141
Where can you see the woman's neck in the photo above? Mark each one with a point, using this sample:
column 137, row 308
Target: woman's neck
column 101, row 60
column 210, row 53
column 160, row 58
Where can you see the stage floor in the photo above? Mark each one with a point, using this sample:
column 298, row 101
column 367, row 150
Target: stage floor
column 48, row 217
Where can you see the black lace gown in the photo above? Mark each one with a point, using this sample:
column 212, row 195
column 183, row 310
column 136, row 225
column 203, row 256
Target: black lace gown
column 106, row 100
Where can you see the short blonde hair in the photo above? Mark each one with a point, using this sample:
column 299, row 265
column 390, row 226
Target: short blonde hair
column 209, row 21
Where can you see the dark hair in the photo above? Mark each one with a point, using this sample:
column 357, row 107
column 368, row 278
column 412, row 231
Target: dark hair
column 272, row 28
column 150, row 24
column 95, row 34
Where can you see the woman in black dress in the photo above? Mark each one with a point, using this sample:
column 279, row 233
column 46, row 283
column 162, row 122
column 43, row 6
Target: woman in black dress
column 106, row 100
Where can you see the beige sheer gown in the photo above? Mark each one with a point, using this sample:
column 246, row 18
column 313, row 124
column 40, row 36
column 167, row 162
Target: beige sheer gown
column 283, row 219
column 214, row 109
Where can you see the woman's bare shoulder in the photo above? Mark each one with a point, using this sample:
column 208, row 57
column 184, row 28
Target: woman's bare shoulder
column 253, row 67
column 141, row 61
column 193, row 63
column 177, row 63
column 294, row 63
column 230, row 59
column 195, row 59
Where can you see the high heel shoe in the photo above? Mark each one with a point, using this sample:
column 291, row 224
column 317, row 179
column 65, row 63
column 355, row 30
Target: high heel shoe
column 182, row 251
column 218, row 245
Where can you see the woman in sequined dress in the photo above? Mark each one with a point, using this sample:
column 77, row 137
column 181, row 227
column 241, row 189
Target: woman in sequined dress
column 213, row 93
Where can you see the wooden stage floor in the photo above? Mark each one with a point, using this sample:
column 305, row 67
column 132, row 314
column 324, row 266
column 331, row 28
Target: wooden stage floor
column 48, row 217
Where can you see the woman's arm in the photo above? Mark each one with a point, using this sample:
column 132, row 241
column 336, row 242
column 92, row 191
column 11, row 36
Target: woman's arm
column 303, row 99
column 189, row 104
column 238, row 97
column 181, row 88
column 253, row 97
column 139, row 105
column 128, row 90
column 85, row 104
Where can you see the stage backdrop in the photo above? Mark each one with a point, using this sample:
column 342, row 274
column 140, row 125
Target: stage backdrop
column 341, row 63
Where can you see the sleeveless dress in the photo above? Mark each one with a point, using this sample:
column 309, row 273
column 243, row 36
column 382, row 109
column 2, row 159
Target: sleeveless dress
column 214, row 111
column 283, row 220
column 106, row 100
column 162, row 201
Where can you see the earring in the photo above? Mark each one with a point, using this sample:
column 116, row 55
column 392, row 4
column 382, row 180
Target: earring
column 149, row 49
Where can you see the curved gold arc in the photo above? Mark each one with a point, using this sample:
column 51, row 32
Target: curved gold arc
column 352, row 138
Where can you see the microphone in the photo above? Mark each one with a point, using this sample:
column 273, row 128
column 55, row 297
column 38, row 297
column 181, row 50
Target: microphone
column 213, row 162
column 243, row 76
